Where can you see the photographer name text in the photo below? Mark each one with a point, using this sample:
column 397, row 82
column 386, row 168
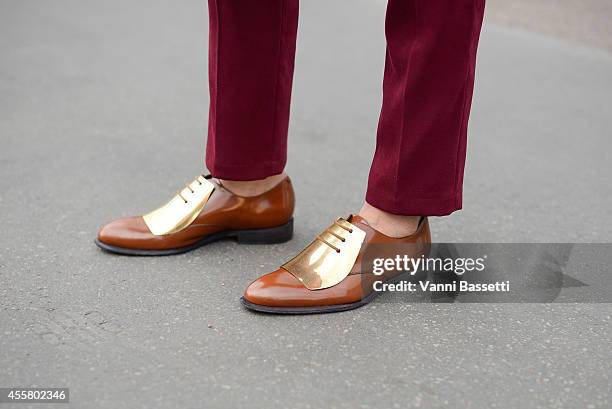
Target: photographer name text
column 455, row 286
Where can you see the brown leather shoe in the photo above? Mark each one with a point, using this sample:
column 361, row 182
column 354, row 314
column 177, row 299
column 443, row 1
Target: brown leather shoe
column 327, row 276
column 203, row 212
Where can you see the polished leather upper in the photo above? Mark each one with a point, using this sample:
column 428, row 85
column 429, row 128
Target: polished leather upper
column 223, row 211
column 281, row 289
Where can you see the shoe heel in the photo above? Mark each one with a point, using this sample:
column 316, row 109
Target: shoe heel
column 279, row 234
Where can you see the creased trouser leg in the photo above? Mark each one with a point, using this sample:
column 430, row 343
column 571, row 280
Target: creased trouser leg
column 427, row 91
column 251, row 58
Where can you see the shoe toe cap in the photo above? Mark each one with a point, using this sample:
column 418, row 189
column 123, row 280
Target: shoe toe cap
column 274, row 289
column 126, row 232
column 281, row 289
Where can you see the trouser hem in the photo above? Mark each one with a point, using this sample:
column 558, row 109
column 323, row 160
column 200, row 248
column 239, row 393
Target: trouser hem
column 246, row 172
column 414, row 206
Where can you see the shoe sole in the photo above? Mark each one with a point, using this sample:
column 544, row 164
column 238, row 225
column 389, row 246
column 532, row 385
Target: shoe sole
column 271, row 235
column 323, row 309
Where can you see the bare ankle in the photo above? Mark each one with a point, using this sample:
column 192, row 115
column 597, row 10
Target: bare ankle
column 250, row 188
column 389, row 224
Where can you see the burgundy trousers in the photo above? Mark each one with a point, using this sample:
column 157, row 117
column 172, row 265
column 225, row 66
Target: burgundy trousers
column 418, row 165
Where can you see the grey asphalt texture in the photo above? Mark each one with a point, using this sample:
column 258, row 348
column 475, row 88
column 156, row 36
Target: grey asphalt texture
column 103, row 114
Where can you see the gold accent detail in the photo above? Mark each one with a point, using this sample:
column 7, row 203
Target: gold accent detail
column 329, row 258
column 182, row 210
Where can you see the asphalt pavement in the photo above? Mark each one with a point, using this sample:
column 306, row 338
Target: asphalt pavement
column 103, row 114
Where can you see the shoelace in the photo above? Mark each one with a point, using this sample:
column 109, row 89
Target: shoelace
column 334, row 234
column 188, row 186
